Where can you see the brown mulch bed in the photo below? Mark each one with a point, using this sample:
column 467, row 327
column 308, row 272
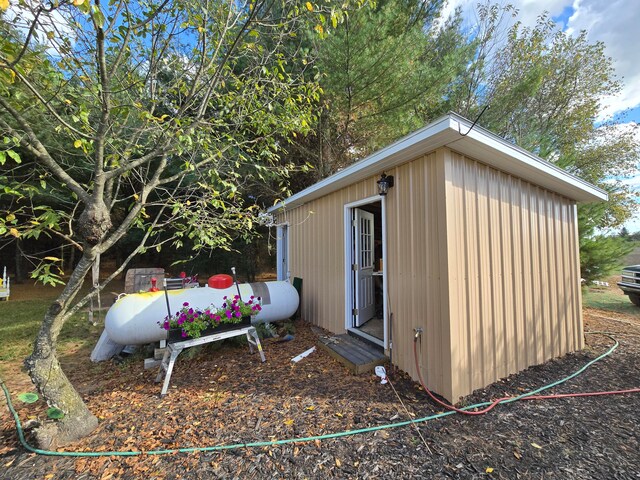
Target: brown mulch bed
column 225, row 396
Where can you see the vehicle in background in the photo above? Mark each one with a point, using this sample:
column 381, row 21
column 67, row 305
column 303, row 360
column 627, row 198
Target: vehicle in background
column 630, row 283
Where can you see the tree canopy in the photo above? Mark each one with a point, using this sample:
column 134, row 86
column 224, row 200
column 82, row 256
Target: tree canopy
column 126, row 115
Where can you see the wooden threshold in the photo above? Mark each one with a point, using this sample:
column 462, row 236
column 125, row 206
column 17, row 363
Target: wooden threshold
column 356, row 355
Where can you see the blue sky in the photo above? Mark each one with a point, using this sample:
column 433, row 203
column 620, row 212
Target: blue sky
column 613, row 22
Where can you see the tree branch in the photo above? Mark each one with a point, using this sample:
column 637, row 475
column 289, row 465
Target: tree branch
column 39, row 151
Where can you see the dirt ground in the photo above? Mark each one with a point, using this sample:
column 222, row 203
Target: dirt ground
column 225, row 396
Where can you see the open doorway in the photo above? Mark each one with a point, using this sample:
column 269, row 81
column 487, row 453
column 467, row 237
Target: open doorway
column 365, row 283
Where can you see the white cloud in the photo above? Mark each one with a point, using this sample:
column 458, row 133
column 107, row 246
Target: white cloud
column 615, row 23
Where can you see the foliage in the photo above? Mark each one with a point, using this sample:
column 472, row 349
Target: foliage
column 543, row 89
column 193, row 321
column 374, row 69
column 147, row 117
column 600, row 255
column 55, row 413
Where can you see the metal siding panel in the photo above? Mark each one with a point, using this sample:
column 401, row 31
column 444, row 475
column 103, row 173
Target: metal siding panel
column 484, row 329
column 537, row 256
column 509, row 336
column 575, row 254
column 518, row 307
column 456, row 273
column 512, row 258
column 497, row 284
column 528, row 330
column 415, row 292
column 439, row 250
column 551, row 275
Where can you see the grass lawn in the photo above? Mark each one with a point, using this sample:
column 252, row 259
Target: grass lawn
column 608, row 298
column 20, row 319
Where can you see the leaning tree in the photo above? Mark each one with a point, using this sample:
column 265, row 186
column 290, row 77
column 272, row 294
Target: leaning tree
column 141, row 115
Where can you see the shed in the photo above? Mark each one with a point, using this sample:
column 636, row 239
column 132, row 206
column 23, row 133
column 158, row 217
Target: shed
column 476, row 244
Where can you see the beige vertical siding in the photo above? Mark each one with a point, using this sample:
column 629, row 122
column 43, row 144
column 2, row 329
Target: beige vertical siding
column 513, row 274
column 485, row 263
column 416, row 277
column 417, row 289
column 316, row 253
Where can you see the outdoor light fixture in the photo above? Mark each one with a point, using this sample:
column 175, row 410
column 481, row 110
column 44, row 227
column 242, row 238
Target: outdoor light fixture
column 384, row 184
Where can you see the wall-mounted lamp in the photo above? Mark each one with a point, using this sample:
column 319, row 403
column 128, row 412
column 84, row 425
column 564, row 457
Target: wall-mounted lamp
column 384, row 184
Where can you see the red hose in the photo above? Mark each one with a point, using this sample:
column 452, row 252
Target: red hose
column 500, row 400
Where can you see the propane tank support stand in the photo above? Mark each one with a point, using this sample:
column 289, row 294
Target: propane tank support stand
column 174, row 349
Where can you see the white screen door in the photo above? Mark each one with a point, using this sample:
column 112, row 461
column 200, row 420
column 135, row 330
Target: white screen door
column 363, row 266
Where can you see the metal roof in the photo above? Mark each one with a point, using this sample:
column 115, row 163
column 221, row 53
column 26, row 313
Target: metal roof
column 455, row 132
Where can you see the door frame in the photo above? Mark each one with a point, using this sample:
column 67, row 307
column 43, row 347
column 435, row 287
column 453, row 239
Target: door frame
column 282, row 251
column 349, row 260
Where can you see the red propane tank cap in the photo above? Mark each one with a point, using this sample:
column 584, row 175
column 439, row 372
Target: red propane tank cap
column 220, row 281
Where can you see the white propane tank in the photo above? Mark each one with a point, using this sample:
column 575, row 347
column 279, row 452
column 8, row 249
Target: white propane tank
column 134, row 318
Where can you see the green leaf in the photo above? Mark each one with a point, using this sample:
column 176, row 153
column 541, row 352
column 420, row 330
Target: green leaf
column 55, row 413
column 28, row 397
column 14, row 156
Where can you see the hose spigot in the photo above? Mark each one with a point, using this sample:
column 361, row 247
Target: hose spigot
column 418, row 333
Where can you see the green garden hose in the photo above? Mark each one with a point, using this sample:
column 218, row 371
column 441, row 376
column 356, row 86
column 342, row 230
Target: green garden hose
column 289, row 440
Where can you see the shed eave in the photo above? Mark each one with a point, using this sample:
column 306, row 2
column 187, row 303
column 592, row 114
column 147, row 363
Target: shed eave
column 455, row 132
column 507, row 157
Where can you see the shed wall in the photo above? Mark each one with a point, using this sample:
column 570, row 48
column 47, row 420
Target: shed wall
column 514, row 274
column 317, row 253
column 417, row 289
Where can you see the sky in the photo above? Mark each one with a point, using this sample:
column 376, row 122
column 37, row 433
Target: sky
column 613, row 22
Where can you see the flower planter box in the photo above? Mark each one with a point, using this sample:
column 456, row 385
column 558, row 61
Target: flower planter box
column 175, row 334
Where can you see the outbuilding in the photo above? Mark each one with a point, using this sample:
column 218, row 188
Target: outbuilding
column 451, row 231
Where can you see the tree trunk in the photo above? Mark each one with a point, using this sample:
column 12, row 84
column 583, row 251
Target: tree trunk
column 47, row 375
column 19, row 261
